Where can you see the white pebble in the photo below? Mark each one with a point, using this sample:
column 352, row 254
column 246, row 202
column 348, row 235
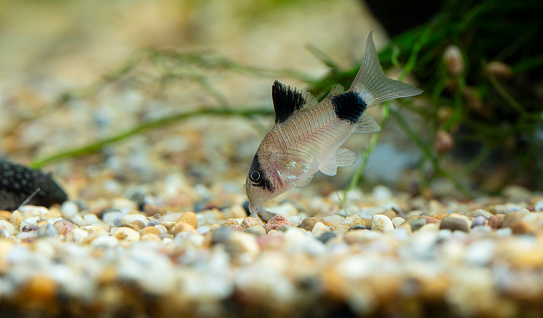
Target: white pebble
column 320, row 228
column 538, row 206
column 69, row 209
column 397, row 221
column 90, row 218
column 381, row 223
column 8, row 227
column 113, row 218
column 131, row 217
column 105, row 241
column 125, row 233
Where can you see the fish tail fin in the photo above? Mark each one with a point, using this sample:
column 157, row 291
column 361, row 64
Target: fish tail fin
column 372, row 84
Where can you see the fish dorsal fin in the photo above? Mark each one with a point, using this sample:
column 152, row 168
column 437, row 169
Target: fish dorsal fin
column 286, row 101
column 341, row 158
column 301, row 181
column 310, row 100
column 338, row 89
column 367, row 124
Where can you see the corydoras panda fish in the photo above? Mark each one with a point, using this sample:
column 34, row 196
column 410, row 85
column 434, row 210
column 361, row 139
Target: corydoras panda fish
column 307, row 135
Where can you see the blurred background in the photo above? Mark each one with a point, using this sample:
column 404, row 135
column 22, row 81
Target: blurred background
column 76, row 72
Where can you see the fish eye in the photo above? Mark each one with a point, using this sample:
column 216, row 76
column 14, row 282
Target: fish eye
column 255, row 176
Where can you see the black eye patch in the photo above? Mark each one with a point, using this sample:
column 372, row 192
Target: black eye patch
column 256, row 175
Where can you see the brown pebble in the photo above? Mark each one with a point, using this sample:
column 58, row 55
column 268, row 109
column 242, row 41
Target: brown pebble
column 454, row 224
column 16, row 218
column 309, row 223
column 496, row 221
column 250, row 221
column 151, row 209
column 6, row 215
column 64, row 226
column 257, row 230
column 190, row 218
column 150, row 230
column 151, row 237
column 237, row 228
column 441, row 216
column 40, row 291
column 389, row 213
column 168, row 225
column 230, row 222
column 523, row 228
column 368, row 222
column 135, row 225
column 430, row 219
column 513, row 217
column 182, row 227
column 277, row 221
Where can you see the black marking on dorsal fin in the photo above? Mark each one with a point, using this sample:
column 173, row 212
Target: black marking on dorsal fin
column 349, row 106
column 286, row 101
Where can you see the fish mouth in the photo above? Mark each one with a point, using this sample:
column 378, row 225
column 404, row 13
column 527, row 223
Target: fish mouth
column 254, row 209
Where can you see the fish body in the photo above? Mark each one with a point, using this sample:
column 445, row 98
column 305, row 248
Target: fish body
column 308, row 135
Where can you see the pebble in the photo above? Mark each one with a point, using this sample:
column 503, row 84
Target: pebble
column 151, row 209
column 47, row 231
column 417, row 224
column 182, row 227
column 277, row 221
column 334, row 220
column 483, row 213
column 454, row 224
column 397, row 222
column 242, row 246
column 320, row 228
column 16, row 218
column 381, row 223
column 250, row 221
column 64, row 226
column 158, row 219
column 326, row 236
column 309, row 223
column 150, row 230
column 478, row 221
column 429, row 219
column 496, row 221
column 8, row 226
column 353, row 220
column 266, row 215
column 133, row 217
column 257, row 230
column 113, row 218
column 126, row 234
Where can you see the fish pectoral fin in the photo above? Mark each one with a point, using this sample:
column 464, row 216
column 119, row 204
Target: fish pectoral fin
column 345, row 157
column 338, row 89
column 367, row 124
column 301, row 181
column 329, row 166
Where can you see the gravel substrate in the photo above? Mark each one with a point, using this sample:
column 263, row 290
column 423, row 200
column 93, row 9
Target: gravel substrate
column 390, row 256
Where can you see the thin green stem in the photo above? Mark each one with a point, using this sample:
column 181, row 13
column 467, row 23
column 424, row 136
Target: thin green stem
column 161, row 122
